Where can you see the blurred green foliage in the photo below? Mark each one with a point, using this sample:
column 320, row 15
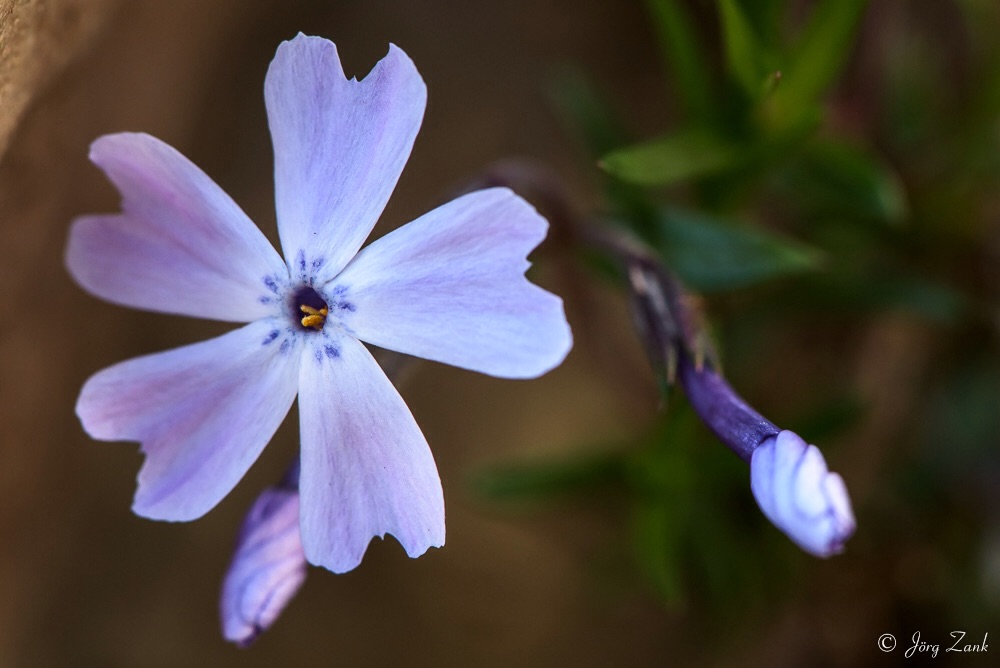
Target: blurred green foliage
column 831, row 179
column 713, row 254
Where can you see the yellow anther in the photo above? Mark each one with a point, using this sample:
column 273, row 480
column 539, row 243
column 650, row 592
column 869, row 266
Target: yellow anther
column 314, row 318
column 314, row 321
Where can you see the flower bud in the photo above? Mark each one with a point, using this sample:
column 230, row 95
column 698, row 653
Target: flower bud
column 789, row 478
column 796, row 491
column 268, row 566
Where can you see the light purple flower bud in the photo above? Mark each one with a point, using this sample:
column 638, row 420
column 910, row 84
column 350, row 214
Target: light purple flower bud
column 268, row 566
column 796, row 491
column 789, row 478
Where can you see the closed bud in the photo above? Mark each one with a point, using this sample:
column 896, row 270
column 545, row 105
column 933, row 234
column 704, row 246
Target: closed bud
column 268, row 566
column 800, row 496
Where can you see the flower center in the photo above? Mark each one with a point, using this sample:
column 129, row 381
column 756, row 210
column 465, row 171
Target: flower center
column 309, row 309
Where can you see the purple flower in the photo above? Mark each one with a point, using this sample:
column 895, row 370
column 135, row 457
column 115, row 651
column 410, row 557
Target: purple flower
column 788, row 478
column 800, row 496
column 449, row 287
column 268, row 566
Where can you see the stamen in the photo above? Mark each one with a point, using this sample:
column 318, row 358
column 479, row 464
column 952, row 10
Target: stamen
column 309, row 308
column 314, row 318
column 305, row 308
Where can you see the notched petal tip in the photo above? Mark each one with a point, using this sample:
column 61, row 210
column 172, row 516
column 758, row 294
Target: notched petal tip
column 451, row 287
column 367, row 470
column 339, row 145
column 202, row 414
column 299, row 45
column 180, row 244
column 796, row 491
column 342, row 560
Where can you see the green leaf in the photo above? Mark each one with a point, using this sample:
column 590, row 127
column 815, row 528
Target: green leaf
column 743, row 53
column 689, row 154
column 842, row 180
column 585, row 111
column 816, row 61
column 712, row 255
column 768, row 18
column 684, row 56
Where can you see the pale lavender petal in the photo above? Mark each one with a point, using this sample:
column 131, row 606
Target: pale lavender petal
column 180, row 245
column 339, row 148
column 366, row 468
column 800, row 496
column 203, row 413
column 450, row 287
column 268, row 566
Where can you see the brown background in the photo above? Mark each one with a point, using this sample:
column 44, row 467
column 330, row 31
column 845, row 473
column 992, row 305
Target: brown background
column 82, row 580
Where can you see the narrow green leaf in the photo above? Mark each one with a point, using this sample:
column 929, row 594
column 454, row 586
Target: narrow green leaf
column 684, row 57
column 689, row 154
column 743, row 53
column 818, row 57
column 588, row 116
column 842, row 180
column 768, row 20
column 712, row 255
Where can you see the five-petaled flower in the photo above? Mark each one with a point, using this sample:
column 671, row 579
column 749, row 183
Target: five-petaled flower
column 448, row 286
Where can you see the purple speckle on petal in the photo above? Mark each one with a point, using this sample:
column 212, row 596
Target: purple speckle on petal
column 331, row 351
column 347, row 306
column 300, row 260
column 271, row 284
column 285, row 345
column 271, row 337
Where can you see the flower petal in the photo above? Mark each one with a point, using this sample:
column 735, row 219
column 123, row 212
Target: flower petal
column 366, row 468
column 203, row 414
column 450, row 287
column 268, row 566
column 180, row 245
column 800, row 496
column 339, row 148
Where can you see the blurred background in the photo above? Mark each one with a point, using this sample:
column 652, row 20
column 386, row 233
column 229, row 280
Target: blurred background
column 825, row 173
